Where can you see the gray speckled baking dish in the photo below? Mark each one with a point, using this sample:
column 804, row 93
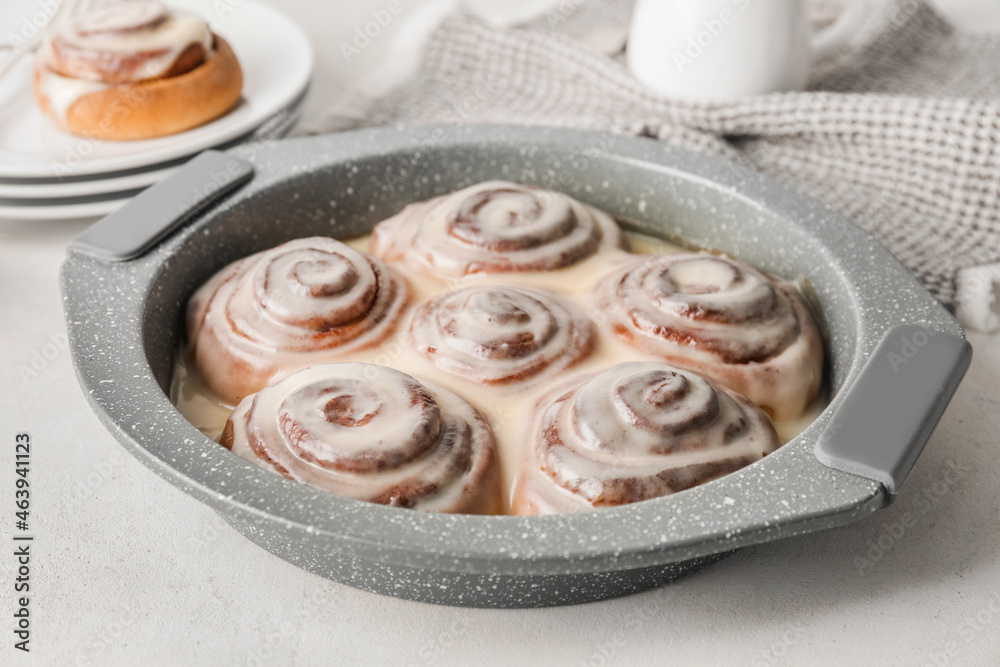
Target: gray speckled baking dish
column 124, row 317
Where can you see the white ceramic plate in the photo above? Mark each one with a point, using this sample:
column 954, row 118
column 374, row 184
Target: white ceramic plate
column 100, row 186
column 277, row 64
column 63, row 199
column 273, row 128
column 93, row 209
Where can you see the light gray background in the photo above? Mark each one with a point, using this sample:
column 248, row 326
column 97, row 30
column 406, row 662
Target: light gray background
column 127, row 570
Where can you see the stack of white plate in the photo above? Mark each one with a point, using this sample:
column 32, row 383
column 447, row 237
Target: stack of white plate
column 46, row 174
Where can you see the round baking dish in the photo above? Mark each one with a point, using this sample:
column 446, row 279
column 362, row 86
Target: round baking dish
column 127, row 279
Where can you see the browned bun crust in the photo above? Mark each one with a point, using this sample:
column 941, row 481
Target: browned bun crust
column 158, row 107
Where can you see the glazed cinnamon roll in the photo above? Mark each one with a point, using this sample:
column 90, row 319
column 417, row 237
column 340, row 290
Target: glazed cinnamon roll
column 307, row 301
column 723, row 319
column 134, row 70
column 501, row 335
column 637, row 431
column 371, row 433
column 496, row 227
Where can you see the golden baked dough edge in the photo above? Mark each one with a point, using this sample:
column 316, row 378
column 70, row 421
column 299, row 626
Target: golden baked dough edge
column 155, row 108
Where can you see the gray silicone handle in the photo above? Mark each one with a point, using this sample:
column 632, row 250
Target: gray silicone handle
column 159, row 209
column 884, row 422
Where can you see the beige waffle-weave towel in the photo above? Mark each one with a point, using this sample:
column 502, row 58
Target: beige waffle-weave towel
column 900, row 130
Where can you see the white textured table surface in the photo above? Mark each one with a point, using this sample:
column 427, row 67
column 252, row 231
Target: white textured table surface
column 127, row 570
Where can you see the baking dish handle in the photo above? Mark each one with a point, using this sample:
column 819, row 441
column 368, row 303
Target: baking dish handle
column 883, row 423
column 159, row 209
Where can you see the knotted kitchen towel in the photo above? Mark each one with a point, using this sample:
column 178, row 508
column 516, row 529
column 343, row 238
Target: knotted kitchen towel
column 899, row 129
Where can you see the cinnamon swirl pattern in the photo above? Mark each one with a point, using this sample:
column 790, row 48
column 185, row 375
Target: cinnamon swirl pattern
column 496, row 227
column 129, row 42
column 371, row 433
column 500, row 335
column 723, row 319
column 637, row 431
column 304, row 302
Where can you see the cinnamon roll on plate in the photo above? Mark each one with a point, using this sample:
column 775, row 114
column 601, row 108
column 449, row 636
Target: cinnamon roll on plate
column 723, row 319
column 305, row 302
column 371, row 433
column 135, row 70
column 637, row 431
column 495, row 227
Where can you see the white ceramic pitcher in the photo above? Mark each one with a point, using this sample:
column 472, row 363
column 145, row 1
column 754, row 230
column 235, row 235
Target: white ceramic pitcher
column 724, row 49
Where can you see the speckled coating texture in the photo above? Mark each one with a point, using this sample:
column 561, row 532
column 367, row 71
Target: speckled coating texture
column 124, row 320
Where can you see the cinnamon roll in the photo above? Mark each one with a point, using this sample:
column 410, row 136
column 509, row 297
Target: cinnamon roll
column 500, row 335
column 637, row 431
column 371, row 433
column 496, row 227
column 135, row 70
column 307, row 301
column 723, row 319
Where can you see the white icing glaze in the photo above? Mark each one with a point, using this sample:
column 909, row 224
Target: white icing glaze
column 121, row 16
column 507, row 408
column 703, row 272
column 639, row 430
column 62, row 91
column 130, row 27
column 501, row 334
column 136, row 26
column 304, row 302
column 723, row 319
column 372, row 433
column 495, row 227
